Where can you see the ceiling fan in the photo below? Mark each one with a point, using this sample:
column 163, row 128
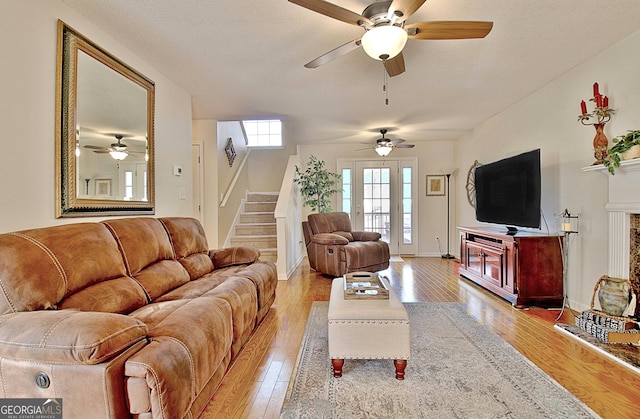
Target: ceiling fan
column 386, row 31
column 384, row 146
column 117, row 150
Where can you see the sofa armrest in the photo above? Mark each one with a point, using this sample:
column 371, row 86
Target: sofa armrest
column 366, row 236
column 68, row 336
column 230, row 256
column 329, row 239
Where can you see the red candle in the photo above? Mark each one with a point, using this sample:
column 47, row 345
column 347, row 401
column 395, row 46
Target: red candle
column 599, row 100
column 596, row 92
column 605, row 102
column 583, row 106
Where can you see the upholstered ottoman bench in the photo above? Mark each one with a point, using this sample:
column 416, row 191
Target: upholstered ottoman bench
column 367, row 329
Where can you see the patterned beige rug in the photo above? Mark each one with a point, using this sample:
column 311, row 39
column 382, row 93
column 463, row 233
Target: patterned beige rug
column 458, row 369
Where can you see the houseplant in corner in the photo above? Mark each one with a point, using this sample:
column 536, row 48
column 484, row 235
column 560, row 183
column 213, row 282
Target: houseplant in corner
column 317, row 184
column 625, row 147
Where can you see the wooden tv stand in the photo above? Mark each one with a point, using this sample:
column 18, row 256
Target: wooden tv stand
column 524, row 268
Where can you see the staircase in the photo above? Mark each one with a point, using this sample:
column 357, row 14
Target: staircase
column 256, row 224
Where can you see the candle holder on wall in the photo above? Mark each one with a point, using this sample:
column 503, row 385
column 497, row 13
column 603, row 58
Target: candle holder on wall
column 598, row 118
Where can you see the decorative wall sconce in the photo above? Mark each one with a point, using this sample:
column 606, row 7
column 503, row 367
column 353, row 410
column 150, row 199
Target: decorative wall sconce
column 230, row 152
column 598, row 118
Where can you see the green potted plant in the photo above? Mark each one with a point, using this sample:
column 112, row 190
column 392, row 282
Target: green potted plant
column 317, row 184
column 625, row 147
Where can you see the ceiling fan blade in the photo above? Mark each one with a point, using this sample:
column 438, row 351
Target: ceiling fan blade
column 404, row 146
column 406, row 7
column 395, row 66
column 95, row 147
column 334, row 53
column 397, row 141
column 332, row 10
column 449, row 30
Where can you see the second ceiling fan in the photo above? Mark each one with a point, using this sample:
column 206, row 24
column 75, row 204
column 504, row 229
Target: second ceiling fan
column 383, row 145
column 386, row 31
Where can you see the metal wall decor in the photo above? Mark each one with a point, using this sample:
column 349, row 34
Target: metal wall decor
column 230, row 151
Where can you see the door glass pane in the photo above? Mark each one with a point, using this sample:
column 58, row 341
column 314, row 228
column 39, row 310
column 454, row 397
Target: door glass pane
column 377, row 201
column 128, row 184
column 346, row 190
column 407, row 232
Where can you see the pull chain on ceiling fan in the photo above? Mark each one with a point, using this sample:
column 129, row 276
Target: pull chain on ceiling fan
column 386, row 31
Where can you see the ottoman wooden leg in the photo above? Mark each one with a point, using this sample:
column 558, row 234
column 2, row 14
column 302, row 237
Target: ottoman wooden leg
column 400, row 364
column 337, row 367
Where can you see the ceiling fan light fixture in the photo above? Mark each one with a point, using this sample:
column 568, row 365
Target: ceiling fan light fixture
column 384, row 42
column 118, row 155
column 383, row 150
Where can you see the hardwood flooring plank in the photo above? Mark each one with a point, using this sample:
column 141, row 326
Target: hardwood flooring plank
column 256, row 384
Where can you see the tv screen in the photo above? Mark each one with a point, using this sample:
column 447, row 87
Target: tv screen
column 508, row 191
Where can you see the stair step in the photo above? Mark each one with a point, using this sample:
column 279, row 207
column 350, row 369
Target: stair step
column 270, row 254
column 257, row 217
column 261, row 242
column 256, row 229
column 259, row 206
column 262, row 196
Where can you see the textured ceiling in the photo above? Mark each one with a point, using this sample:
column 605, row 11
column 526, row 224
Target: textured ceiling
column 244, row 59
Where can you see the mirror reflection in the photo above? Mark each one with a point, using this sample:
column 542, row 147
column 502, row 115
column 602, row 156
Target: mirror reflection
column 106, row 141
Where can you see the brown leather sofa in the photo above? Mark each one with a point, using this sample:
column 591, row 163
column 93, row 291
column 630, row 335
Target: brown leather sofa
column 334, row 249
column 130, row 317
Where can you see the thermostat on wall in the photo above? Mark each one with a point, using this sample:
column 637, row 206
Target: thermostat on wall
column 177, row 170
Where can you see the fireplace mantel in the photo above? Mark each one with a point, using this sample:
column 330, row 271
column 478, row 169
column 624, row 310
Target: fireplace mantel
column 623, row 200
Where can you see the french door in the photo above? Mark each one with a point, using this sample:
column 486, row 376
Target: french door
column 380, row 195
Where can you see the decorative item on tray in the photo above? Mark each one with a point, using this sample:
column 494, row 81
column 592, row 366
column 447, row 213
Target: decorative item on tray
column 598, row 118
column 364, row 286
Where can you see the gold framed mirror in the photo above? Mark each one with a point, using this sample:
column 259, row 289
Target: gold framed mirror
column 104, row 132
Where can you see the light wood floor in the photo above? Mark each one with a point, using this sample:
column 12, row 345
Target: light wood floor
column 256, row 384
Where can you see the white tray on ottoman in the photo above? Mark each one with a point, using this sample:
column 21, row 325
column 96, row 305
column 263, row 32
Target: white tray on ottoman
column 367, row 329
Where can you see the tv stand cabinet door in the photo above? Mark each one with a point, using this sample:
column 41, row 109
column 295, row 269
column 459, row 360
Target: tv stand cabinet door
column 486, row 263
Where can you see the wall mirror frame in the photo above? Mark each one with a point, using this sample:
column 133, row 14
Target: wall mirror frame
column 104, row 132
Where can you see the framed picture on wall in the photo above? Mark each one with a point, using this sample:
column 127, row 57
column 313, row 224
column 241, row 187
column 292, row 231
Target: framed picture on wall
column 435, row 185
column 103, row 187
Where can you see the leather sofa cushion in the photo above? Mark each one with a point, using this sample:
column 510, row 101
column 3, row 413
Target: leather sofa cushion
column 346, row 234
column 365, row 236
column 148, row 254
column 328, row 222
column 238, row 255
column 41, row 267
column 120, row 295
column 68, row 336
column 329, row 239
column 190, row 340
column 190, row 245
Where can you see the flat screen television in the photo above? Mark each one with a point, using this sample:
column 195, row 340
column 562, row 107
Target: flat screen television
column 508, row 191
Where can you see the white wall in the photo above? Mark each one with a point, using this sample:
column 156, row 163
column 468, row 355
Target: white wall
column 205, row 132
column 548, row 120
column 433, row 158
column 27, row 116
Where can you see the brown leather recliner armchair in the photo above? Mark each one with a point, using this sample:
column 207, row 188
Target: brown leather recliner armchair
column 334, row 249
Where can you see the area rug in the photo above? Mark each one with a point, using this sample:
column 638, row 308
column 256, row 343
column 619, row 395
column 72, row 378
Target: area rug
column 627, row 355
column 458, row 369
